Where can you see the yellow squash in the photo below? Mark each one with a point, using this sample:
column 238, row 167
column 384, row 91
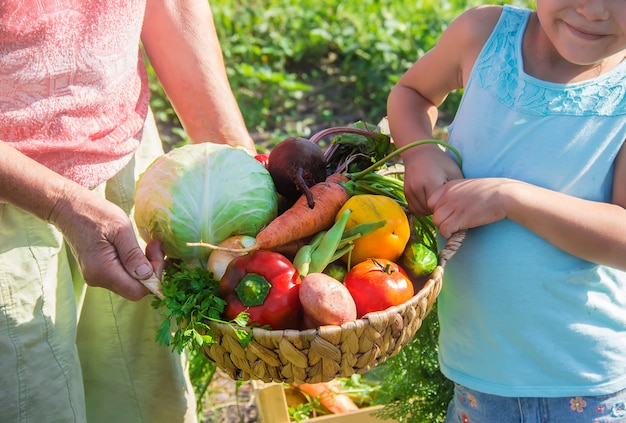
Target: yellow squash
column 387, row 242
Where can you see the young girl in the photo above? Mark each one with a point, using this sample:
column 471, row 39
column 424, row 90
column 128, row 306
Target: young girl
column 533, row 306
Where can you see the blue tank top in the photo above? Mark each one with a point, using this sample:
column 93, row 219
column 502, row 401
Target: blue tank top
column 518, row 316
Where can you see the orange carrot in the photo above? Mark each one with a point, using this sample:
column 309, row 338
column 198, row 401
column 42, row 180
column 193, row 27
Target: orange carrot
column 292, row 247
column 330, row 394
column 299, row 221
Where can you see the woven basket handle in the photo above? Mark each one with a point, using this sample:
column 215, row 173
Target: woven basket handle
column 452, row 245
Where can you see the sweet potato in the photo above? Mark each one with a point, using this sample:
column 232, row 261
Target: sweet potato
column 325, row 301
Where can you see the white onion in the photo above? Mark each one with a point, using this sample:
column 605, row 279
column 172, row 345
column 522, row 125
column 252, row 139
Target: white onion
column 219, row 260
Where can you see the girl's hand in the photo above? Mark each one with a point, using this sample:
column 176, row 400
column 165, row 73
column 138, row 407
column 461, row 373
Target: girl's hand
column 427, row 169
column 468, row 203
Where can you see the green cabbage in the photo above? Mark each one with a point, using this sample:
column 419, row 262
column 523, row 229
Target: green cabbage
column 203, row 192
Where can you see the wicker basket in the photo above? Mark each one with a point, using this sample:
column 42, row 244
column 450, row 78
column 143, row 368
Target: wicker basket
column 328, row 352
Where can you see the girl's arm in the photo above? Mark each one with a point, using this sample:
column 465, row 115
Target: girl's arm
column 181, row 43
column 593, row 231
column 413, row 102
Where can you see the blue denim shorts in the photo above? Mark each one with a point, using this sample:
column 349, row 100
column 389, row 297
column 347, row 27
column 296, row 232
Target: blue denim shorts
column 470, row 406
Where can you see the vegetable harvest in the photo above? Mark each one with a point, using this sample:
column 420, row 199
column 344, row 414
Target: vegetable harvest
column 300, row 220
column 299, row 268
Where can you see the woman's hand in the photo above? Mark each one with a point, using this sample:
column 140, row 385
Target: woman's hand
column 103, row 239
column 100, row 234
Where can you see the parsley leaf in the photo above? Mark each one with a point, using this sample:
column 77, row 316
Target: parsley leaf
column 191, row 301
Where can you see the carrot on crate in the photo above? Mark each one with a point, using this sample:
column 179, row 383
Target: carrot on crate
column 330, row 394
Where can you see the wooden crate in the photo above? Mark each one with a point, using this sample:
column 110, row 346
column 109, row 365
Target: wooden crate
column 272, row 404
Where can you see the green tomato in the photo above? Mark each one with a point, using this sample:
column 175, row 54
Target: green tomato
column 336, row 271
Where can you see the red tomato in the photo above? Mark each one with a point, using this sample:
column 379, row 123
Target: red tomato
column 377, row 284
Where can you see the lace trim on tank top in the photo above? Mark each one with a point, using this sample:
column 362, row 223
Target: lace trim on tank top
column 499, row 70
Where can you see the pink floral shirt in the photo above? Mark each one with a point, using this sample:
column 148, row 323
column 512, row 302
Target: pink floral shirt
column 73, row 87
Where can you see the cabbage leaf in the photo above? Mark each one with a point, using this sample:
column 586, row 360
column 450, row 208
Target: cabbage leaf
column 203, row 192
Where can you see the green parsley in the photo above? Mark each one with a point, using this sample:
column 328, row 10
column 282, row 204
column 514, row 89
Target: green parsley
column 191, row 301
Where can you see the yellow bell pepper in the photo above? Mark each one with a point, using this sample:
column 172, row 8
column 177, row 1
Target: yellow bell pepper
column 387, row 242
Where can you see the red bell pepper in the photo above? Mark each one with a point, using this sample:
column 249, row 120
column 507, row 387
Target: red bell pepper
column 266, row 285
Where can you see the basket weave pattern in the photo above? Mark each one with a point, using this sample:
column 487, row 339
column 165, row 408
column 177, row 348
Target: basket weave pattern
column 322, row 354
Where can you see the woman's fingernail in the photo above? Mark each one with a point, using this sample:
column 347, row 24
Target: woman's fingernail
column 143, row 270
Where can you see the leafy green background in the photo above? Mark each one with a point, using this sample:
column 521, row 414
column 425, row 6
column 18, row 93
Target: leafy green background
column 298, row 66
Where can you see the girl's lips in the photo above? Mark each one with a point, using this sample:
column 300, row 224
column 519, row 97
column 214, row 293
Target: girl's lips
column 584, row 33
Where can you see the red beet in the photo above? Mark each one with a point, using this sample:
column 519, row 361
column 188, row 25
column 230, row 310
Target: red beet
column 296, row 164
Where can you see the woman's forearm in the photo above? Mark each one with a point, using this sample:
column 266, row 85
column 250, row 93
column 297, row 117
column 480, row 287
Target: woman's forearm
column 29, row 185
column 183, row 48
